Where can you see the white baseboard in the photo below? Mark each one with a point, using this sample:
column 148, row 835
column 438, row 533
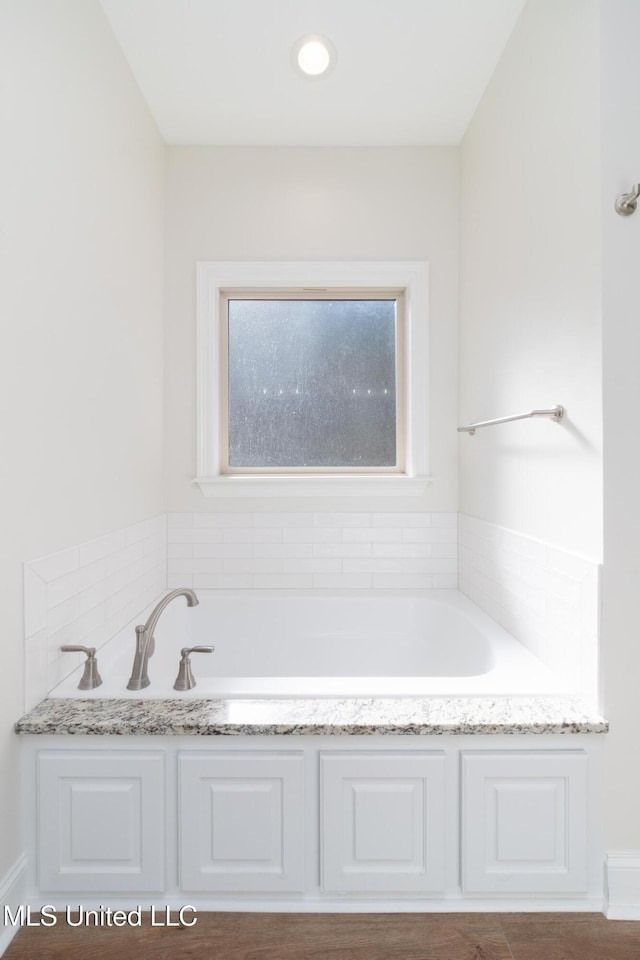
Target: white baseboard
column 622, row 885
column 249, row 904
column 12, row 894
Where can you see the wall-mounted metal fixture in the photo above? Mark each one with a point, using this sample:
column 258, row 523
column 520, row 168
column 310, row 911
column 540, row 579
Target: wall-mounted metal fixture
column 555, row 413
column 90, row 678
column 627, row 202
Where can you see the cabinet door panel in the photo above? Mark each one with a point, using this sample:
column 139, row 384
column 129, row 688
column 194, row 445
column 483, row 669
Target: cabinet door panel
column 382, row 822
column 101, row 821
column 242, row 821
column 524, row 824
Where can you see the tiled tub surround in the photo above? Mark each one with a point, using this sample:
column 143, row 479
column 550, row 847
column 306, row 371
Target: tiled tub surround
column 87, row 595
column 547, row 598
column 313, row 550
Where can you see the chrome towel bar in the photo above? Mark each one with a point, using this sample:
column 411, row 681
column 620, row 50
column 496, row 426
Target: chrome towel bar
column 556, row 414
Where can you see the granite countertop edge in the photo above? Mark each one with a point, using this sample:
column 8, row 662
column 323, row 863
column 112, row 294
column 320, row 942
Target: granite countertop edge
column 313, row 717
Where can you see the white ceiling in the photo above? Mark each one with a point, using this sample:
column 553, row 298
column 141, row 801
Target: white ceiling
column 408, row 72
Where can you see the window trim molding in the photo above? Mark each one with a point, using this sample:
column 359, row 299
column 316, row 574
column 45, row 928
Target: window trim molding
column 214, row 276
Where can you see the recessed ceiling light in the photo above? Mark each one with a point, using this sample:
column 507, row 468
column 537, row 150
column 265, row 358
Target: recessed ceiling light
column 314, row 56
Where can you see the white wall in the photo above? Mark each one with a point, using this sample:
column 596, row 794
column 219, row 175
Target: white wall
column 530, row 264
column 537, row 267
column 81, row 171
column 621, row 319
column 306, row 204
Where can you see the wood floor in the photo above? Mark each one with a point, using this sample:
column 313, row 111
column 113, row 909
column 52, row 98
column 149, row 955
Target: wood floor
column 289, row 936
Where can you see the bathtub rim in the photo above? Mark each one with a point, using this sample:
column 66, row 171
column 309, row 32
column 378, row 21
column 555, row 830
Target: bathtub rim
column 534, row 677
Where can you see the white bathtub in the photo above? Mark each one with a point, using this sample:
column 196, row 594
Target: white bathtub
column 322, row 644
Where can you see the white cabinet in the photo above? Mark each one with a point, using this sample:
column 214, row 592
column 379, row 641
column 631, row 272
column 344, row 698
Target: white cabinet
column 524, row 822
column 101, row 821
column 241, row 821
column 318, row 820
column 382, row 821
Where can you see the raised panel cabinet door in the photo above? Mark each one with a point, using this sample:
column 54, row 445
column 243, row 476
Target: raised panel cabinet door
column 382, row 822
column 101, row 821
column 242, row 821
column 524, row 822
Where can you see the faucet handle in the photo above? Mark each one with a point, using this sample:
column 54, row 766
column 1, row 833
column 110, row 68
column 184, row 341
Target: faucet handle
column 90, row 678
column 76, row 647
column 185, row 679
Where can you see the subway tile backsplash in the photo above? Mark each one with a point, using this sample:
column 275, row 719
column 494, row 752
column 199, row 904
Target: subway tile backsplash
column 312, row 550
column 547, row 598
column 86, row 595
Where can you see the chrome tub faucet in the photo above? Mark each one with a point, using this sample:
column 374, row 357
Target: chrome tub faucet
column 145, row 642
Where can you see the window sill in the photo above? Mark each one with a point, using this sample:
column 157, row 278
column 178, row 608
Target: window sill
column 313, row 486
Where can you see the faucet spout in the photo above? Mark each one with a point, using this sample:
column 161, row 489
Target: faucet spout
column 145, row 641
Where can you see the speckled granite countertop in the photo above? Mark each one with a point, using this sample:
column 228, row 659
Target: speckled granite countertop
column 420, row 717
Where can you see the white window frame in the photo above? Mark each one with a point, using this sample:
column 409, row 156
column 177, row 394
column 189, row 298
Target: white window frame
column 213, row 277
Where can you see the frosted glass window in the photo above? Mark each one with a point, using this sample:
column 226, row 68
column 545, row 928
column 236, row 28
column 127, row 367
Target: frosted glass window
column 312, row 384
